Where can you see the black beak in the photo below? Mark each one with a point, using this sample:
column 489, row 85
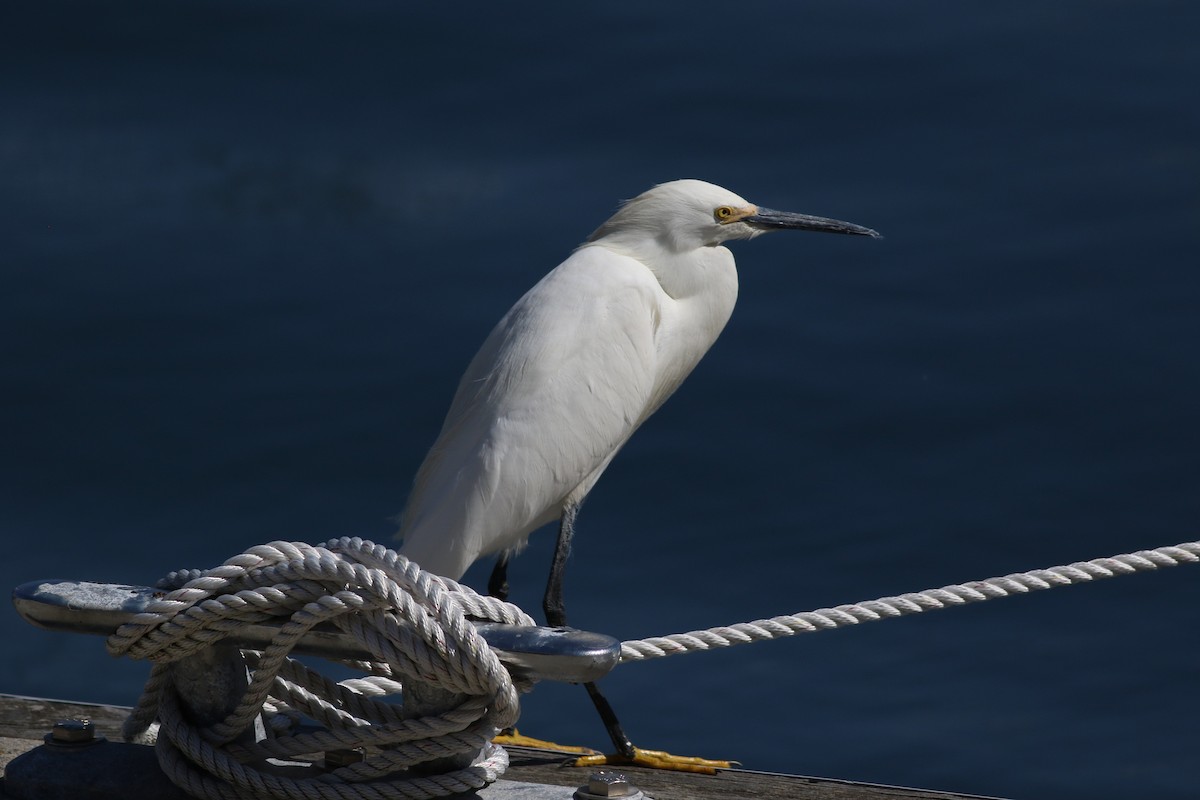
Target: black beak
column 770, row 219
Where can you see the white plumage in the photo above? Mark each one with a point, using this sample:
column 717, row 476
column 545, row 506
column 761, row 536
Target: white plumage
column 567, row 376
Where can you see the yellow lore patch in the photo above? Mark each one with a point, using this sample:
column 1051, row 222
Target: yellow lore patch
column 727, row 214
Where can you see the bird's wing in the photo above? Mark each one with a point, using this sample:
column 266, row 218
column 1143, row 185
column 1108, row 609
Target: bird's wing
column 555, row 390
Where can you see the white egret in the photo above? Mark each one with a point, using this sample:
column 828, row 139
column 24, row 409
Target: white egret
column 571, row 371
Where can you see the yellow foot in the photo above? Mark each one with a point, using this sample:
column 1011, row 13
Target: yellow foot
column 655, row 759
column 516, row 739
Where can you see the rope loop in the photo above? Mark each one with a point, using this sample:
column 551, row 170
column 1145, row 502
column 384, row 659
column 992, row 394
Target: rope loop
column 415, row 626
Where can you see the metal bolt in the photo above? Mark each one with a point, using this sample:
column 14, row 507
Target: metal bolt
column 73, row 732
column 342, row 758
column 608, row 784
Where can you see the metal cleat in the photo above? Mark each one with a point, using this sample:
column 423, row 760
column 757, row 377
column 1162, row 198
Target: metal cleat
column 557, row 654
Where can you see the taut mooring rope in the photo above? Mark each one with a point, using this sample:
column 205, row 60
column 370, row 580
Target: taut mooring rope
column 912, row 603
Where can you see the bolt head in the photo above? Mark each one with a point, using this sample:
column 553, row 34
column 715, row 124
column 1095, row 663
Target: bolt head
column 609, row 783
column 73, row 731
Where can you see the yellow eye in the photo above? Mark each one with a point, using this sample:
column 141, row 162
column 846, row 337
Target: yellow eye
column 723, row 214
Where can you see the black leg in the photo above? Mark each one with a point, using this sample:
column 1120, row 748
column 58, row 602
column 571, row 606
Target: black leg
column 556, row 615
column 498, row 583
column 611, row 723
column 552, row 603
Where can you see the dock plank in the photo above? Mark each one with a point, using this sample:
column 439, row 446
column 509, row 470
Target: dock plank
column 25, row 720
column 543, row 766
column 33, row 717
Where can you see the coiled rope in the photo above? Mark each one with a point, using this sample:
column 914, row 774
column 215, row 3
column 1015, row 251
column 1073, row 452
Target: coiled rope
column 415, row 626
column 412, row 622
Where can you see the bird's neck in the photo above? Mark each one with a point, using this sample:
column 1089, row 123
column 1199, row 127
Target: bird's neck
column 702, row 288
column 706, row 275
column 694, row 273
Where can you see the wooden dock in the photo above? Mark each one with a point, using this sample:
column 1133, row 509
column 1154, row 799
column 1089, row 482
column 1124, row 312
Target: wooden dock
column 25, row 720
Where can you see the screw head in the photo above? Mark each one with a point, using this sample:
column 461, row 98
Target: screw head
column 72, row 732
column 608, row 784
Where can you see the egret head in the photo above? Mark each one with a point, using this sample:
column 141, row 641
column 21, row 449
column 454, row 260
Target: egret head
column 688, row 214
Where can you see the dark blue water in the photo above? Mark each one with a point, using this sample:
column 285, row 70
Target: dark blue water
column 247, row 249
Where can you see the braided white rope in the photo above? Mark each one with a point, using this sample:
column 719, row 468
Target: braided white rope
column 415, row 626
column 412, row 622
column 912, row 603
